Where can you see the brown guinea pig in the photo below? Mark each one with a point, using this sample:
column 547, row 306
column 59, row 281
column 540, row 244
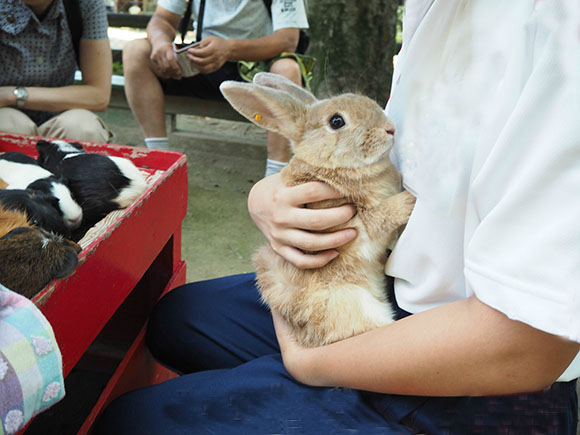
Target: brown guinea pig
column 31, row 257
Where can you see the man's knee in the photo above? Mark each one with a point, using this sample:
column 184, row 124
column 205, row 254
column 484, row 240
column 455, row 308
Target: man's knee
column 136, row 55
column 15, row 121
column 288, row 68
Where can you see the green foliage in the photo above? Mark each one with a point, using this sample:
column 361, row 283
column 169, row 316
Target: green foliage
column 400, row 11
column 118, row 68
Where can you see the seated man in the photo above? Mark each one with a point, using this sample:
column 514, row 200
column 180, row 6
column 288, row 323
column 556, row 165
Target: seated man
column 38, row 67
column 240, row 30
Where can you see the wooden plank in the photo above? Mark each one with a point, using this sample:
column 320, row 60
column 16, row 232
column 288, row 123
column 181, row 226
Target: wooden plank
column 121, row 19
column 178, row 105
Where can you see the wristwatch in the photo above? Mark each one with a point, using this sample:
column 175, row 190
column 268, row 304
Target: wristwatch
column 21, row 95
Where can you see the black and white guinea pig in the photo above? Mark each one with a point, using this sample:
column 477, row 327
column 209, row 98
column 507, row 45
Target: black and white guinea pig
column 100, row 183
column 40, row 208
column 20, row 171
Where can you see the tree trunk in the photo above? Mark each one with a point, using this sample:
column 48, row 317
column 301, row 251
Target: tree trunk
column 354, row 44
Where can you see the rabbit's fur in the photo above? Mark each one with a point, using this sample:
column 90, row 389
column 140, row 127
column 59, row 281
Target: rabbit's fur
column 347, row 296
column 31, row 257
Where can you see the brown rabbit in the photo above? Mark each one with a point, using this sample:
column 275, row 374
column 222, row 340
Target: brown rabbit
column 345, row 142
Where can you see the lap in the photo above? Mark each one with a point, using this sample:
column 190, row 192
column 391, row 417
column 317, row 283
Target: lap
column 255, row 397
column 76, row 124
column 202, row 85
column 222, row 337
column 14, row 121
column 73, row 124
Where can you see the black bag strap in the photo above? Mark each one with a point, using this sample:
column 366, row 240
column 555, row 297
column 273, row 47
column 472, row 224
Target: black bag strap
column 75, row 25
column 268, row 4
column 184, row 23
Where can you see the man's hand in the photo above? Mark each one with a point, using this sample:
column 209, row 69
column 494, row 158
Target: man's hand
column 290, row 228
column 210, row 54
column 163, row 62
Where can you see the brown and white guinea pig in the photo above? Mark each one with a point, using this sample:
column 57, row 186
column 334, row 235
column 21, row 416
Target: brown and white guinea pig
column 31, row 257
column 345, row 142
column 20, row 171
column 99, row 183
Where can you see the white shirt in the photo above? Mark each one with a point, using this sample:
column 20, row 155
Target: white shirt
column 243, row 19
column 486, row 99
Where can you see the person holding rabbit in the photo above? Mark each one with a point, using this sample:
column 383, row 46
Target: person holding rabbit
column 485, row 100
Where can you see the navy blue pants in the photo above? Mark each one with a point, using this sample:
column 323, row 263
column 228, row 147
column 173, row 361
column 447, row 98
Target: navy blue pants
column 221, row 339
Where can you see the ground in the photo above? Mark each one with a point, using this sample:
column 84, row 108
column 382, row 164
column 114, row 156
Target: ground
column 225, row 159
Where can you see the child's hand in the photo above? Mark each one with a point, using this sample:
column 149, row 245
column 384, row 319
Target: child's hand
column 290, row 228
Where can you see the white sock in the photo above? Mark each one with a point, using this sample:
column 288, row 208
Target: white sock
column 273, row 167
column 157, row 143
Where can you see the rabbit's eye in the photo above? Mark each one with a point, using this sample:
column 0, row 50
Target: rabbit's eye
column 336, row 122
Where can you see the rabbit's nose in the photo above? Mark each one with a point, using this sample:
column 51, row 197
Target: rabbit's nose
column 391, row 131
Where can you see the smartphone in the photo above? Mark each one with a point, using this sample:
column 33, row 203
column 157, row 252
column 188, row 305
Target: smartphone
column 188, row 69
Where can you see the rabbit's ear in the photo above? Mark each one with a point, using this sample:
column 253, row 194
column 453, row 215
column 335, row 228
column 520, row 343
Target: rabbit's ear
column 276, row 81
column 269, row 108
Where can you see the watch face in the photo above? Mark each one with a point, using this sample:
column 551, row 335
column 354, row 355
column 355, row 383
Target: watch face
column 21, row 96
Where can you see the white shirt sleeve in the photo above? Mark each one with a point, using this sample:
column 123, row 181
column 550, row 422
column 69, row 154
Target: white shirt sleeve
column 289, row 14
column 175, row 6
column 522, row 251
column 490, row 145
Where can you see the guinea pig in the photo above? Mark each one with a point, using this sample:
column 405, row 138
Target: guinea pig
column 100, row 183
column 11, row 219
column 40, row 208
column 20, row 171
column 30, row 258
column 345, row 142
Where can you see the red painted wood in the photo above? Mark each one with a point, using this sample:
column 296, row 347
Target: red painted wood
column 138, row 368
column 79, row 306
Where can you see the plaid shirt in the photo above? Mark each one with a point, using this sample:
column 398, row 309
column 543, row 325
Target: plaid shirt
column 31, row 377
column 39, row 52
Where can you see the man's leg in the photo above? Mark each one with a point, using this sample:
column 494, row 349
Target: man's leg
column 15, row 121
column 144, row 92
column 278, row 147
column 76, row 124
